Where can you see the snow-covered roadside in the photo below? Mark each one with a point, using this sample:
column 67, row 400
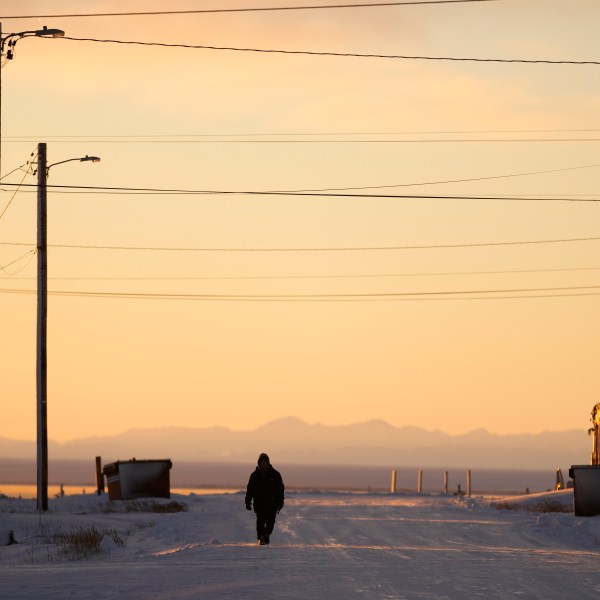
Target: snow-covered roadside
column 544, row 502
column 325, row 545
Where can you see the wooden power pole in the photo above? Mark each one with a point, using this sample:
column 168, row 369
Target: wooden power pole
column 42, row 315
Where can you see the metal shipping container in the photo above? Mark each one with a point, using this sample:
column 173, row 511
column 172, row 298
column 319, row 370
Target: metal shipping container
column 586, row 483
column 131, row 479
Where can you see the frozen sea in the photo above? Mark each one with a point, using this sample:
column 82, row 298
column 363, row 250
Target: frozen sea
column 77, row 475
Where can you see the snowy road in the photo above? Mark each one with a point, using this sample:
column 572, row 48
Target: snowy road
column 324, row 546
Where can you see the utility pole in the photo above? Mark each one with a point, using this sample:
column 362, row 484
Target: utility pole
column 42, row 314
column 42, row 320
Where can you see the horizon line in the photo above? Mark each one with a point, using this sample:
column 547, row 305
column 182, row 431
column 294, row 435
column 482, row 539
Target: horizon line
column 291, row 418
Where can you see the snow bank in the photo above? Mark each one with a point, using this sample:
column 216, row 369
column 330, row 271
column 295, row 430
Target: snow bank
column 334, row 546
column 560, row 501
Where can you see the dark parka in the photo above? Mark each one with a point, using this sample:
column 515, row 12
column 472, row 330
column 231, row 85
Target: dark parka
column 266, row 489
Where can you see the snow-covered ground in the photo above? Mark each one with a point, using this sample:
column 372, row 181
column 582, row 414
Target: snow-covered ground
column 325, row 545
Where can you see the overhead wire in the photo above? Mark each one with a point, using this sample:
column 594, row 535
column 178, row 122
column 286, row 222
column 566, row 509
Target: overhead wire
column 19, row 168
column 306, row 134
column 326, row 276
column 249, row 9
column 340, row 141
column 30, row 254
column 440, row 182
column 509, row 197
column 18, row 186
column 310, row 249
column 336, row 54
column 441, row 295
column 299, row 193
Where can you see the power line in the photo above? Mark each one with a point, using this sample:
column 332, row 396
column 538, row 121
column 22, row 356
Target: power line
column 307, row 249
column 340, row 141
column 14, row 170
column 510, row 175
column 243, row 10
column 304, row 277
column 426, row 183
column 338, row 54
column 515, row 197
column 30, row 254
column 309, row 297
column 18, row 187
column 157, row 191
column 91, row 137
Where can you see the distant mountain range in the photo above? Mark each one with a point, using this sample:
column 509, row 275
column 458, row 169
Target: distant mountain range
column 293, row 441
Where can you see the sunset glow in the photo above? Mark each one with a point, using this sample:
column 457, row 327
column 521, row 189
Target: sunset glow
column 235, row 309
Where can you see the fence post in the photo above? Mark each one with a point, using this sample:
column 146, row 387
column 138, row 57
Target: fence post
column 469, row 483
column 446, row 483
column 420, row 482
column 393, row 485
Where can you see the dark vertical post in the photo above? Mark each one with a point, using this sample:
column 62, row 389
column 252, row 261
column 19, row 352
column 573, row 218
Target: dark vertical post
column 393, row 484
column 420, row 482
column 99, row 476
column 42, row 313
column 469, row 483
column 445, row 483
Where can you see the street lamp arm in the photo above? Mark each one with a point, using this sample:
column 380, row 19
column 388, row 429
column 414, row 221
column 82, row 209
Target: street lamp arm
column 36, row 32
column 10, row 40
column 13, row 38
column 85, row 158
column 60, row 163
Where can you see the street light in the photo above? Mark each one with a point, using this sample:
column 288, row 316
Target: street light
column 42, row 315
column 85, row 158
column 9, row 41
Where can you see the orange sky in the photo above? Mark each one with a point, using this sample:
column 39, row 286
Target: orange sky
column 451, row 362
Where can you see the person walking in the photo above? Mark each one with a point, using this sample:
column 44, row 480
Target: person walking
column 266, row 490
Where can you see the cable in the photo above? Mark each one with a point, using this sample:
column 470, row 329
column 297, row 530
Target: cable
column 242, row 10
column 371, row 141
column 426, row 183
column 379, row 187
column 29, row 254
column 106, row 189
column 296, row 297
column 30, row 164
column 339, row 54
column 312, row 300
column 14, row 170
column 515, row 197
column 294, row 277
column 291, row 134
column 320, row 249
column 509, row 197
